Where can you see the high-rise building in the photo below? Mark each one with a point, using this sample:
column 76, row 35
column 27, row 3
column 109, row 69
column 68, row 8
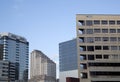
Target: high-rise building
column 98, row 43
column 42, row 68
column 68, row 60
column 14, row 49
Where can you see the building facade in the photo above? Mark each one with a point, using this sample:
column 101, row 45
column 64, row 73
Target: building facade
column 68, row 60
column 98, row 39
column 15, row 50
column 42, row 68
column 7, row 71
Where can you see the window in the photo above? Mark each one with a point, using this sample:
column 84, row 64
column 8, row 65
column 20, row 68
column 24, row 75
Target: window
column 112, row 30
column 104, row 22
column 99, row 56
column 105, row 47
column 106, row 56
column 90, row 39
column 111, row 22
column 82, row 48
column 118, row 39
column 96, row 22
column 114, row 56
column 118, row 30
column 118, row 22
column 96, row 30
column 113, row 47
column 82, row 57
column 81, row 39
column 97, row 38
column 112, row 39
column 91, row 57
column 105, row 39
column 119, row 47
column 83, row 66
column 81, row 31
column 81, row 22
column 97, row 47
column 89, row 31
column 90, row 48
column 104, row 30
column 89, row 22
column 84, row 75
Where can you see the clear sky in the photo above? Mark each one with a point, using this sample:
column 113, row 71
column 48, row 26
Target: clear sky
column 46, row 23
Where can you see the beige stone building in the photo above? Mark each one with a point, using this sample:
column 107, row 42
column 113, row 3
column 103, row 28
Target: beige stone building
column 98, row 43
column 42, row 68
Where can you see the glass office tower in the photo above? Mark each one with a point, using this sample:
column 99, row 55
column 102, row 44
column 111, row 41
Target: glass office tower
column 68, row 60
column 15, row 49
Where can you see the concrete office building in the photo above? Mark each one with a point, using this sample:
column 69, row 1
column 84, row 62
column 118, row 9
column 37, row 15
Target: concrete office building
column 15, row 50
column 68, row 60
column 42, row 68
column 98, row 39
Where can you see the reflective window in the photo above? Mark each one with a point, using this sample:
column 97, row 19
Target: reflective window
column 118, row 22
column 90, row 39
column 98, row 48
column 118, row 39
column 99, row 56
column 90, row 48
column 113, row 39
column 113, row 47
column 105, row 38
column 104, row 30
column 112, row 30
column 111, row 22
column 96, row 21
column 114, row 56
column 82, row 57
column 82, row 48
column 89, row 31
column 81, row 22
column 97, row 38
column 104, row 22
column 106, row 56
column 105, row 47
column 118, row 30
column 91, row 57
column 96, row 30
column 89, row 22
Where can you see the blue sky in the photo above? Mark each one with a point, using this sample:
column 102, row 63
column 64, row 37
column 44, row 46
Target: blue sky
column 46, row 23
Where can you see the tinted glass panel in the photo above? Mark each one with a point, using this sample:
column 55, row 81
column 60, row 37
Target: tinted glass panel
column 104, row 22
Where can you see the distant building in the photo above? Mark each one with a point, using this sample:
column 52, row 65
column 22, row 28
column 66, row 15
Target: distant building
column 42, row 68
column 14, row 49
column 68, row 60
column 98, row 43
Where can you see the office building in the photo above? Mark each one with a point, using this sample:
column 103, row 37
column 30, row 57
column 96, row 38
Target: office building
column 98, row 43
column 7, row 71
column 68, row 60
column 14, row 49
column 42, row 68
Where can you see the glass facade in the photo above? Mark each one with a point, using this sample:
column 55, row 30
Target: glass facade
column 68, row 55
column 15, row 49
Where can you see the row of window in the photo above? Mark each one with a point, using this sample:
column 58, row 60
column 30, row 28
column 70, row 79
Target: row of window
column 91, row 31
column 103, row 39
column 99, row 56
column 98, row 22
column 93, row 48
